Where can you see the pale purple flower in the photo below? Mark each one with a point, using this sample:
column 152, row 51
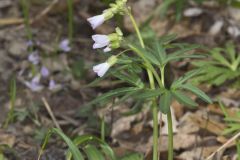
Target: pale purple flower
column 53, row 86
column 34, row 85
column 100, row 41
column 29, row 43
column 34, row 57
column 101, row 69
column 65, row 45
column 96, row 21
column 44, row 71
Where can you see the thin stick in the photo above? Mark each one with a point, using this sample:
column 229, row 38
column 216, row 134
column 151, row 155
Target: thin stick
column 224, row 146
column 51, row 113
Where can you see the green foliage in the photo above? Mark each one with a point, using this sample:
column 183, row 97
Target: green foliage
column 233, row 123
column 157, row 53
column 165, row 101
column 91, row 148
column 10, row 116
column 25, row 4
column 223, row 65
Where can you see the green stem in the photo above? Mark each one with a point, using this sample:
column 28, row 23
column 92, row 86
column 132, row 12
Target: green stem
column 70, row 20
column 170, row 136
column 102, row 129
column 169, row 119
column 136, row 28
column 162, row 70
column 25, row 8
column 151, row 71
column 155, row 118
column 147, row 64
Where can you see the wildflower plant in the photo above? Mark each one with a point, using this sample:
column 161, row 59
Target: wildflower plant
column 223, row 65
column 150, row 55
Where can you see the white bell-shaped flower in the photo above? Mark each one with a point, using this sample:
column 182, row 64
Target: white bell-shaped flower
column 96, row 21
column 100, row 41
column 101, row 69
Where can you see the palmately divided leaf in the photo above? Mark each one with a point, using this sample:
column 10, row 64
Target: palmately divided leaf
column 216, row 54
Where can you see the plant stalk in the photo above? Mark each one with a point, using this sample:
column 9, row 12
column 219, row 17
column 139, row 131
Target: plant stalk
column 25, row 9
column 169, row 119
column 136, row 28
column 152, row 86
column 170, row 136
column 155, row 118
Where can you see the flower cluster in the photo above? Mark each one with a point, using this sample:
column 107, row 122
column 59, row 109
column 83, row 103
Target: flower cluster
column 39, row 71
column 115, row 8
column 108, row 42
column 111, row 41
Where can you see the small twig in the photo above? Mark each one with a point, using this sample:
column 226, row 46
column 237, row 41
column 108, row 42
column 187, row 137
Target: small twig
column 50, row 113
column 223, row 146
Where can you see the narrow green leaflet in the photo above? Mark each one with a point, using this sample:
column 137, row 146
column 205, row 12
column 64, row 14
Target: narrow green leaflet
column 148, row 93
column 186, row 77
column 85, row 139
column 232, row 128
column 93, row 153
column 113, row 93
column 165, row 102
column 182, row 98
column 126, row 97
column 159, row 52
column 178, row 57
column 72, row 147
column 230, row 50
column 152, row 57
column 165, row 39
column 108, row 151
column 216, row 54
column 197, row 92
column 132, row 78
column 136, row 108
